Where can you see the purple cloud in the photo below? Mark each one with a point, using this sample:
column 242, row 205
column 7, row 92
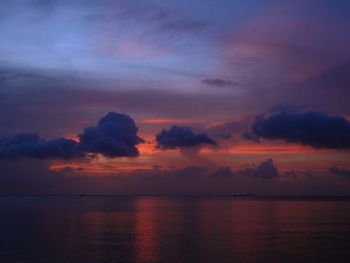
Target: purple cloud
column 29, row 145
column 225, row 172
column 315, row 129
column 180, row 136
column 265, row 170
column 115, row 135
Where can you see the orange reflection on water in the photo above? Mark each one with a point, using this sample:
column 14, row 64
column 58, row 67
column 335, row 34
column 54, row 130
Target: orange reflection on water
column 146, row 230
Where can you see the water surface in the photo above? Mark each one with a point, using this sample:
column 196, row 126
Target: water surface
column 143, row 229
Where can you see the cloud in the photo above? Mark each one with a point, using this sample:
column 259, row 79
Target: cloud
column 223, row 172
column 219, row 83
column 114, row 136
column 339, row 171
column 315, row 129
column 29, row 145
column 182, row 137
column 265, row 170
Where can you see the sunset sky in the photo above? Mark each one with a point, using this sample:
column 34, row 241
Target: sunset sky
column 174, row 97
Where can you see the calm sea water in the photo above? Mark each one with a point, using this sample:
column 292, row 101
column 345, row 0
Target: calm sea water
column 130, row 229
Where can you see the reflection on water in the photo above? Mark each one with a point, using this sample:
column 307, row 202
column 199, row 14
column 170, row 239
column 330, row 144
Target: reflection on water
column 96, row 229
column 146, row 234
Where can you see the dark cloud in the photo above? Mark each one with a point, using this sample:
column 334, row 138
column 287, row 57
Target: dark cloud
column 315, row 129
column 219, row 83
column 339, row 171
column 182, row 137
column 114, row 136
column 265, row 170
column 28, row 145
column 223, row 172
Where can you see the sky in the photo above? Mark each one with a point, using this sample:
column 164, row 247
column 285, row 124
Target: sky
column 174, row 97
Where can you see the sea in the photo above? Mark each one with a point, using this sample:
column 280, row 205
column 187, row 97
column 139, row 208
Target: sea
column 96, row 229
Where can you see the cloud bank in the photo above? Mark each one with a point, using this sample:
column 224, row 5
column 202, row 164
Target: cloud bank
column 182, row 137
column 29, row 145
column 115, row 135
column 314, row 129
column 225, row 172
column 265, row 170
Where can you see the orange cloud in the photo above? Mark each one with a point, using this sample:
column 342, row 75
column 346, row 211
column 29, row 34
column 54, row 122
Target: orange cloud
column 101, row 167
column 73, row 137
column 268, row 149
